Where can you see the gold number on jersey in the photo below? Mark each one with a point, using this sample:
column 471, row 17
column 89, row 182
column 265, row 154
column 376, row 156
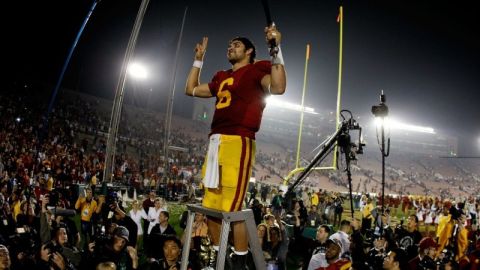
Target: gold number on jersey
column 224, row 96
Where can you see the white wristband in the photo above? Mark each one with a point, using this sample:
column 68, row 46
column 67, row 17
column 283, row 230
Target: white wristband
column 198, row 64
column 193, row 92
column 278, row 58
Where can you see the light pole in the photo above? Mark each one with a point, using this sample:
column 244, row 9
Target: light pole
column 381, row 113
column 119, row 94
column 171, row 96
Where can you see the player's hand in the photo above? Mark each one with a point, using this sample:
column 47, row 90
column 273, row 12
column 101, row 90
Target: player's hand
column 271, row 33
column 201, row 49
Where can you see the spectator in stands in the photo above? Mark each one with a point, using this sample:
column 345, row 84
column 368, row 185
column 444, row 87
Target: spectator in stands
column 229, row 129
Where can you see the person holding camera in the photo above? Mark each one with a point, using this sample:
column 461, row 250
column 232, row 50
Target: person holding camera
column 56, row 237
column 114, row 248
column 122, row 219
column 49, row 258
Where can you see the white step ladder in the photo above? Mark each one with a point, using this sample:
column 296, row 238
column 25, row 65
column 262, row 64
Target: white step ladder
column 226, row 217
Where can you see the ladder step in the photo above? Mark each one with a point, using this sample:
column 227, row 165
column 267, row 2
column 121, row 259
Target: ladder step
column 226, row 217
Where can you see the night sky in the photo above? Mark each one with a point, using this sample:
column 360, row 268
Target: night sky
column 423, row 54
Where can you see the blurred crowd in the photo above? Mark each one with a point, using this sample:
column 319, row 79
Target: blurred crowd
column 57, row 211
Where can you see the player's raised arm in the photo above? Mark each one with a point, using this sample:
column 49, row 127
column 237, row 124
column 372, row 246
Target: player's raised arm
column 193, row 86
column 276, row 83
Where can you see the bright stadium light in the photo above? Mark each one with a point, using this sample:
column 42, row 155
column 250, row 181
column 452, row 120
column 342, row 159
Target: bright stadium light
column 275, row 102
column 394, row 124
column 137, row 71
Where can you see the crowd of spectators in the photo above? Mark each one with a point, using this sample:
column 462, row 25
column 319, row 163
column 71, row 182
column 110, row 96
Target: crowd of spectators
column 58, row 212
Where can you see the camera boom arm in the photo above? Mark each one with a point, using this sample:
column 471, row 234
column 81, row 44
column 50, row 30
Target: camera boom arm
column 341, row 136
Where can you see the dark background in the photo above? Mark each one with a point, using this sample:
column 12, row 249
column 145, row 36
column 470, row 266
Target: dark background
column 423, row 54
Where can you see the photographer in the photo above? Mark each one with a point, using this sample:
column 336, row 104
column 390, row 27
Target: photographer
column 50, row 259
column 112, row 248
column 56, row 235
column 26, row 217
column 121, row 219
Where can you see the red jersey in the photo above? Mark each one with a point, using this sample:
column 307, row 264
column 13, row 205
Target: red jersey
column 240, row 99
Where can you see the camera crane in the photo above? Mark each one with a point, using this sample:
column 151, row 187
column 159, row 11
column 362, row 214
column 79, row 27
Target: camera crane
column 343, row 139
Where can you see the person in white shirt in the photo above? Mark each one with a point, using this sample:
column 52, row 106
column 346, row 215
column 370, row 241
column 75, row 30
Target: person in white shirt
column 137, row 214
column 154, row 212
column 342, row 236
